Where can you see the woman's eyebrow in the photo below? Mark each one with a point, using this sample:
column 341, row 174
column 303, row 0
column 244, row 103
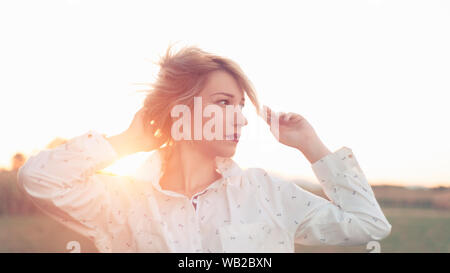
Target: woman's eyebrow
column 226, row 94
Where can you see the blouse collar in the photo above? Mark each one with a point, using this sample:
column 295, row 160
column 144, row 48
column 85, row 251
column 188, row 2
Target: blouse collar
column 151, row 169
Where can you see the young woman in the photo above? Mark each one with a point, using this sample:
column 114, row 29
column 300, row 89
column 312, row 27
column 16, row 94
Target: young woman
column 190, row 196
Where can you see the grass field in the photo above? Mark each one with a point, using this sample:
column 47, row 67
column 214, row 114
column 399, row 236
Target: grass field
column 38, row 233
column 413, row 230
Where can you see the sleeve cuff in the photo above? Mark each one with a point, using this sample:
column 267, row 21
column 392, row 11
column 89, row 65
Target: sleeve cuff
column 335, row 164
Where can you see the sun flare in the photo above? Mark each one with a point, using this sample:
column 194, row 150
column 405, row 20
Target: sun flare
column 126, row 166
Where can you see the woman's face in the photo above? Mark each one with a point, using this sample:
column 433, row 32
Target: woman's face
column 221, row 93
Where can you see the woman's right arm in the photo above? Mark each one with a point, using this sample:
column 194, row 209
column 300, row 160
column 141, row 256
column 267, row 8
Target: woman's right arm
column 63, row 182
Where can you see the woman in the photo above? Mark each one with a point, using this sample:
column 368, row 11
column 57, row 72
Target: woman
column 190, row 196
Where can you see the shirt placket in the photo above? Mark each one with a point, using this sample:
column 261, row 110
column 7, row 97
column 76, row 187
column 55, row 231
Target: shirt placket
column 195, row 201
column 192, row 229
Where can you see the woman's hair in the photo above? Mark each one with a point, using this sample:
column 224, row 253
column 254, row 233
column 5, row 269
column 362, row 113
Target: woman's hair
column 182, row 75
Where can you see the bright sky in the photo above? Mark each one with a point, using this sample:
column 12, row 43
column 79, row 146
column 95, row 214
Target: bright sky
column 370, row 75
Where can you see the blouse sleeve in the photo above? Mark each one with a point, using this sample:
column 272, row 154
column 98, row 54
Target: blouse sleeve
column 353, row 216
column 63, row 183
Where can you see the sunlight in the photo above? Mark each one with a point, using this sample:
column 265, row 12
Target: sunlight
column 77, row 75
column 126, row 166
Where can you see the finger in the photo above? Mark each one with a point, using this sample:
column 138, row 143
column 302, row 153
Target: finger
column 143, row 115
column 281, row 116
column 294, row 116
column 140, row 112
column 140, row 116
column 297, row 117
column 289, row 116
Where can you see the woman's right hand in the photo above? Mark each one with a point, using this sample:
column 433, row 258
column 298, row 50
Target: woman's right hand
column 141, row 136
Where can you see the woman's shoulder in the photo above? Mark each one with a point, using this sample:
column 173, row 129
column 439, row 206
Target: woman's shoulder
column 263, row 178
column 256, row 174
column 270, row 183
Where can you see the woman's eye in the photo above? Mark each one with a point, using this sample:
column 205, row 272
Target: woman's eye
column 227, row 102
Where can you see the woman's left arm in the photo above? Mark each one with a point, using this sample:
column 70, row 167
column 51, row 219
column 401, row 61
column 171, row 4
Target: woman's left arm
column 353, row 216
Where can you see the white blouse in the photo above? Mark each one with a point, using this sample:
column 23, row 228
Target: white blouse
column 244, row 211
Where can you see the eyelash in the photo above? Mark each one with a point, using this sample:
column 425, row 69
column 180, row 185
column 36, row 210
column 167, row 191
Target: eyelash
column 241, row 105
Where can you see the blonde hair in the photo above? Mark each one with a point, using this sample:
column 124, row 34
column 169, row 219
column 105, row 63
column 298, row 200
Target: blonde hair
column 182, row 76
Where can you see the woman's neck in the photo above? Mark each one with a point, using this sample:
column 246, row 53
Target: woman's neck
column 189, row 170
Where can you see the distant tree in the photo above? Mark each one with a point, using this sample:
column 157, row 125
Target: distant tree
column 441, row 200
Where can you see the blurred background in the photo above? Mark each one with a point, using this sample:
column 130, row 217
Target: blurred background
column 370, row 75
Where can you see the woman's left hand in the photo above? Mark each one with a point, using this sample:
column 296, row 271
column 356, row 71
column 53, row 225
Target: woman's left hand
column 295, row 131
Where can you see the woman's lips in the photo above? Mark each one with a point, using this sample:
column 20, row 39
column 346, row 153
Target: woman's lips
column 234, row 138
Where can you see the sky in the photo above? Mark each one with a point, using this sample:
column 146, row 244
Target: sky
column 373, row 76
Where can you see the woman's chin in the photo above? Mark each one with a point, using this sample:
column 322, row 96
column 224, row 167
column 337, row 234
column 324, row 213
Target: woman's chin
column 227, row 149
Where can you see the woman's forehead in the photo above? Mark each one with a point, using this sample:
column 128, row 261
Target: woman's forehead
column 221, row 82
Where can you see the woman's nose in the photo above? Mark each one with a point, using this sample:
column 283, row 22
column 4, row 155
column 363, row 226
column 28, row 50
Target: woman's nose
column 241, row 119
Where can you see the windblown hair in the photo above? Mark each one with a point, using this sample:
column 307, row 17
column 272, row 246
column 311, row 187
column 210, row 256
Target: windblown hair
column 182, row 76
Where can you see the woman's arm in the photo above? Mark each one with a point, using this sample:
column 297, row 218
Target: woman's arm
column 141, row 136
column 353, row 215
column 63, row 182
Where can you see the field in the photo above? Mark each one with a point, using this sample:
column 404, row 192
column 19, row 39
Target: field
column 37, row 233
column 420, row 220
column 414, row 230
